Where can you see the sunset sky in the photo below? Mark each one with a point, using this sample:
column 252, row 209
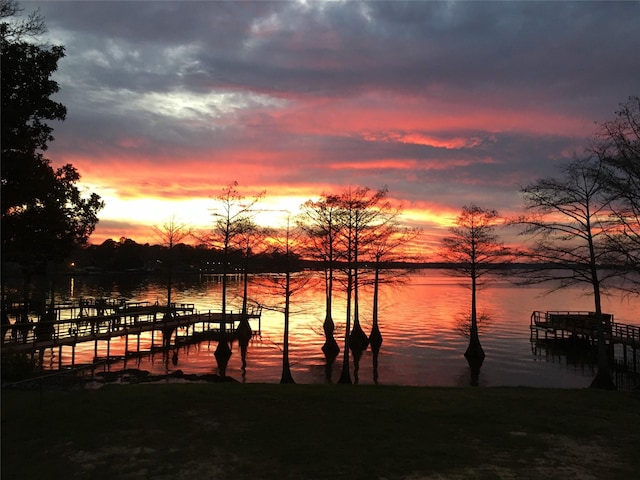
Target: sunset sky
column 446, row 103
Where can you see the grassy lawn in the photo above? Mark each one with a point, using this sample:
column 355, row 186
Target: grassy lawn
column 234, row 431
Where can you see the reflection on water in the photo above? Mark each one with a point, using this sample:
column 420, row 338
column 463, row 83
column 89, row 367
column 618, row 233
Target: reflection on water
column 420, row 324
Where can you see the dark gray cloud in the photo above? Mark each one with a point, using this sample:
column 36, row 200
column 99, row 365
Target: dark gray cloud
column 334, row 48
column 497, row 91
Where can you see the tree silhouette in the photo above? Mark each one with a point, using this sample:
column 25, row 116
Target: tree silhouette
column 617, row 146
column 569, row 223
column 388, row 241
column 286, row 241
column 474, row 248
column 44, row 214
column 249, row 238
column 360, row 210
column 286, row 376
column 319, row 220
column 170, row 234
column 230, row 219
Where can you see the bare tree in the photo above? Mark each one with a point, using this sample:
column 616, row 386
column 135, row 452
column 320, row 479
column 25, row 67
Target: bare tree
column 569, row 223
column 617, row 146
column 360, row 210
column 319, row 220
column 388, row 245
column 251, row 237
column 474, row 248
column 286, row 366
column 287, row 241
column 170, row 233
column 21, row 28
column 230, row 217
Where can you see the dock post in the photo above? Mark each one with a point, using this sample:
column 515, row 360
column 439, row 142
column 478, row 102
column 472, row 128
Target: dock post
column 60, row 357
column 73, row 354
column 95, row 349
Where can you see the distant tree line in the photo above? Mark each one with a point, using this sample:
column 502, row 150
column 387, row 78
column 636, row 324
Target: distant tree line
column 126, row 255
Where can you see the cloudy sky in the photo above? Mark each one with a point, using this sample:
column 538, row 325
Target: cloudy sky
column 445, row 103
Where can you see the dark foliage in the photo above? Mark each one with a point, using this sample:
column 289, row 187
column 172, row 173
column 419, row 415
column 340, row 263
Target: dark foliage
column 44, row 213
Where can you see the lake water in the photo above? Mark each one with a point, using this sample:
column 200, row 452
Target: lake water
column 420, row 321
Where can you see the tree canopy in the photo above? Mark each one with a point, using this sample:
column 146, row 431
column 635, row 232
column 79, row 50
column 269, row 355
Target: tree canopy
column 570, row 222
column 474, row 247
column 44, row 213
column 617, row 146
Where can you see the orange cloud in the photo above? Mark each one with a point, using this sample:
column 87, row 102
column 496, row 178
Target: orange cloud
column 380, row 111
column 418, row 138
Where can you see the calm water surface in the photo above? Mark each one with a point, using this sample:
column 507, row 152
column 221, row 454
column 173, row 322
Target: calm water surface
column 420, row 323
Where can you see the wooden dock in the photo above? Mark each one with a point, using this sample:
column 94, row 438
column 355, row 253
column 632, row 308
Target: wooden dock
column 101, row 321
column 584, row 326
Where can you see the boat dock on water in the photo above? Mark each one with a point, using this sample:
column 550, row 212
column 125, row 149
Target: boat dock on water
column 585, row 326
column 102, row 320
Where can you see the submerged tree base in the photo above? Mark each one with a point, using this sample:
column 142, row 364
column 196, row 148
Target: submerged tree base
column 358, row 340
column 286, row 375
column 330, row 349
column 474, row 352
column 345, row 375
column 375, row 339
column 603, row 381
column 222, row 354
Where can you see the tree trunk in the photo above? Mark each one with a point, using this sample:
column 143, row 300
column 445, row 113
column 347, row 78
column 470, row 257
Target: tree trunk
column 603, row 378
column 222, row 355
column 474, row 350
column 358, row 340
column 169, row 277
column 345, row 375
column 330, row 347
column 375, row 339
column 243, row 332
column 223, row 350
column 286, row 368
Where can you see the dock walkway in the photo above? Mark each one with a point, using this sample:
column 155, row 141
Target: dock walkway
column 95, row 321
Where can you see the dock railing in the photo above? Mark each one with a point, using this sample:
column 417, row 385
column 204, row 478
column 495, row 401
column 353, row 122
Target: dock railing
column 562, row 320
column 629, row 332
column 129, row 317
column 585, row 323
